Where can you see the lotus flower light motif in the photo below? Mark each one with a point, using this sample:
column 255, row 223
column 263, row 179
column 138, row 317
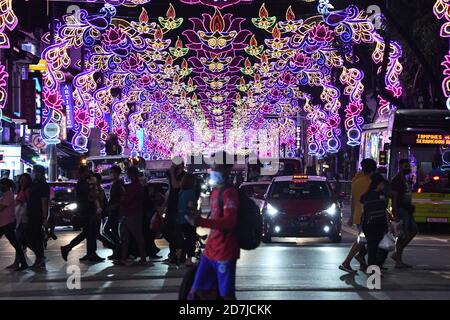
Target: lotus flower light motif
column 82, row 117
column 217, row 33
column 113, row 36
column 52, row 99
column 216, row 3
column 321, row 33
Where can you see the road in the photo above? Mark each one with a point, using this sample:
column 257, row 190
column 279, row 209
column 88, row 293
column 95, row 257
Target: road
column 289, row 269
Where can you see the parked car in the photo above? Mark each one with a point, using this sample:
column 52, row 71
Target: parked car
column 62, row 203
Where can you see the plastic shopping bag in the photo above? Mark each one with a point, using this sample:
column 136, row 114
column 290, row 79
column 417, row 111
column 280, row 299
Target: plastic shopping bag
column 388, row 242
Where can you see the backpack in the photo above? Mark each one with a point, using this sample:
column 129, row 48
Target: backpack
column 249, row 225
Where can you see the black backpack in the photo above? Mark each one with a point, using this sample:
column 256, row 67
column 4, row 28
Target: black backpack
column 249, row 225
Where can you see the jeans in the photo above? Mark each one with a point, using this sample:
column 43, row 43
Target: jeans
column 132, row 227
column 374, row 233
column 10, row 234
column 149, row 237
column 34, row 238
column 90, row 233
column 185, row 237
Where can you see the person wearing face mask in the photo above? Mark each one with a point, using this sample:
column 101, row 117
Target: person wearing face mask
column 375, row 219
column 216, row 273
column 403, row 209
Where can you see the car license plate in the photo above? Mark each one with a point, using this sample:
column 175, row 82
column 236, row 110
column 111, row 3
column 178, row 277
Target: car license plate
column 444, row 220
column 303, row 225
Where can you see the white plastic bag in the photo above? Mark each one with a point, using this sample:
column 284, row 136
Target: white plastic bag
column 362, row 238
column 388, row 242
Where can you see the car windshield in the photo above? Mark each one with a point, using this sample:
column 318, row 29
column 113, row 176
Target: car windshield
column 253, row 189
column 304, row 190
column 63, row 194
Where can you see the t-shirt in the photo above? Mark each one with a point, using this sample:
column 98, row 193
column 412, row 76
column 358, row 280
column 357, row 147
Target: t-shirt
column 132, row 204
column 85, row 201
column 115, row 196
column 7, row 215
column 222, row 243
column 374, row 207
column 184, row 197
column 172, row 202
column 360, row 186
column 38, row 191
column 400, row 185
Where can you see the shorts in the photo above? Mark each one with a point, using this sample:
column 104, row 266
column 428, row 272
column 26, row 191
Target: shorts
column 409, row 223
column 213, row 274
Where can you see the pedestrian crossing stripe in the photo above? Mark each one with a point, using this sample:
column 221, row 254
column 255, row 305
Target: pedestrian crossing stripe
column 443, row 274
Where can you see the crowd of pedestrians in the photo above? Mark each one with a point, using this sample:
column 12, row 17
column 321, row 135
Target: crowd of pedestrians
column 369, row 213
column 126, row 221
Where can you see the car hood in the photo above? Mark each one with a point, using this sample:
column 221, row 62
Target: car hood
column 301, row 207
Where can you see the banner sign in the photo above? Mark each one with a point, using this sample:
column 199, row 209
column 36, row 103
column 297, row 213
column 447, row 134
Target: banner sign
column 28, row 101
column 66, row 92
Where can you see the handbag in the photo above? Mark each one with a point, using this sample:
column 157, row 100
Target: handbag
column 388, row 242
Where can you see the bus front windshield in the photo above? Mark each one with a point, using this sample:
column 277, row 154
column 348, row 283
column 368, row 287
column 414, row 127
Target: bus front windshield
column 430, row 165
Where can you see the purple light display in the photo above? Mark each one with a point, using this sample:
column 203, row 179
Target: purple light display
column 136, row 78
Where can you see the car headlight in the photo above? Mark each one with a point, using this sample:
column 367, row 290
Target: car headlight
column 70, row 207
column 271, row 211
column 332, row 210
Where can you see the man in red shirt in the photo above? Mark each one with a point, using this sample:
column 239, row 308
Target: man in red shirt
column 217, row 269
column 132, row 211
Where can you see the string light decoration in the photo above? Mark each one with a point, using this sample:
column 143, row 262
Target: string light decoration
column 216, row 3
column 441, row 10
column 214, row 83
column 305, row 54
column 8, row 20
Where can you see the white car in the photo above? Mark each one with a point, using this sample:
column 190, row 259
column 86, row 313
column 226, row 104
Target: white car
column 256, row 191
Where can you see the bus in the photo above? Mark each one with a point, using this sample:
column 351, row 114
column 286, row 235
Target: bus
column 423, row 137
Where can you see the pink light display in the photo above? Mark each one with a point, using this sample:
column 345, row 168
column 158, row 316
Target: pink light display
column 215, row 79
column 441, row 10
column 216, row 3
column 8, row 20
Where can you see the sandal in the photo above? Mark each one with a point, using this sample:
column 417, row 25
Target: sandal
column 347, row 269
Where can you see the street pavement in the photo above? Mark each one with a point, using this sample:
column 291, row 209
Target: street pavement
column 284, row 270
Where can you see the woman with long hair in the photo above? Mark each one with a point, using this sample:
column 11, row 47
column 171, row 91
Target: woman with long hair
column 23, row 194
column 375, row 219
column 8, row 222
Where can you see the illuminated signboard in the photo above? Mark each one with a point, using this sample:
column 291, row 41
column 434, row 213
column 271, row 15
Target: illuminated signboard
column 438, row 139
column 425, row 139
